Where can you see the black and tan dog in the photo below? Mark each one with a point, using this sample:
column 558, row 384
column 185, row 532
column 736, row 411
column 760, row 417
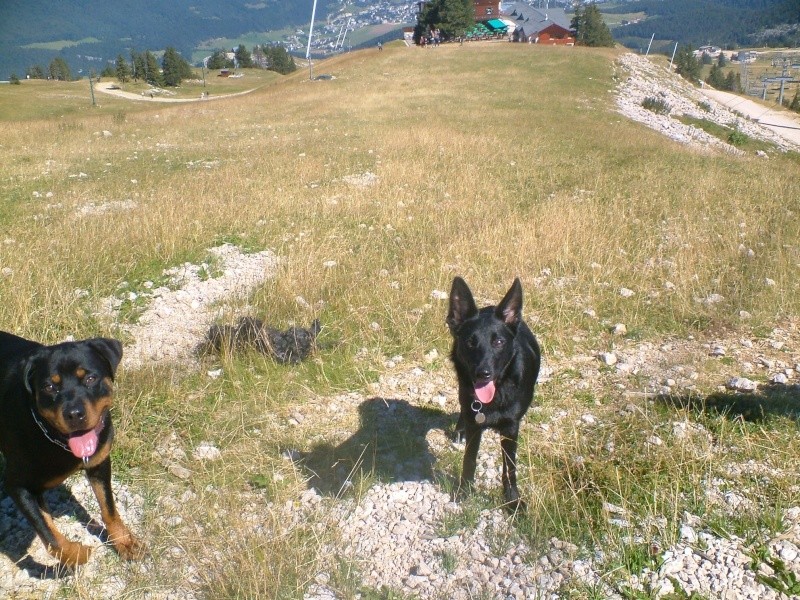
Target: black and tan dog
column 497, row 359
column 55, row 420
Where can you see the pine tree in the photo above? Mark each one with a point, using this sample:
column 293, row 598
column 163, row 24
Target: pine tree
column 686, row 65
column 152, row 73
column 59, row 69
column 139, row 66
column 453, row 18
column 243, row 57
column 280, row 60
column 590, row 29
column 35, row 72
column 716, row 78
column 218, row 60
column 122, row 69
column 176, row 69
column 795, row 104
column 733, row 82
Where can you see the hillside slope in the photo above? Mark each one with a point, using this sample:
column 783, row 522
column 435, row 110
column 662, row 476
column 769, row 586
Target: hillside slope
column 660, row 277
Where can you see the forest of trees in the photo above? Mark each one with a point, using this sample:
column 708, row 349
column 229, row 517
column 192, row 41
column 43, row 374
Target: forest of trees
column 731, row 23
column 172, row 69
column 100, row 34
column 271, row 57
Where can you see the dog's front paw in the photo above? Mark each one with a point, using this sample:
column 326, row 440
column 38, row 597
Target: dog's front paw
column 514, row 504
column 130, row 549
column 125, row 543
column 71, row 554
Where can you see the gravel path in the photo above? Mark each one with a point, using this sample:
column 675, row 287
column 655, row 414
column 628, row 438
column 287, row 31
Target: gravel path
column 110, row 89
column 179, row 313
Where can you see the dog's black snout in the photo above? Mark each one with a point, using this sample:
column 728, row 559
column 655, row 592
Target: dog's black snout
column 75, row 415
column 483, row 374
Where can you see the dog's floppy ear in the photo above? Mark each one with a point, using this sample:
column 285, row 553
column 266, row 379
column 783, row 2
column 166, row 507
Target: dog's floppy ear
column 27, row 372
column 510, row 308
column 462, row 304
column 110, row 350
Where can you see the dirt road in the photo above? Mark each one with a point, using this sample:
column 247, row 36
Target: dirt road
column 784, row 123
column 108, row 87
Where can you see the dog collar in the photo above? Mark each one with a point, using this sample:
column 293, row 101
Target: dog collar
column 100, row 426
column 480, row 418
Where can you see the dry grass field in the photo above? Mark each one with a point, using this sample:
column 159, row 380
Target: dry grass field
column 375, row 188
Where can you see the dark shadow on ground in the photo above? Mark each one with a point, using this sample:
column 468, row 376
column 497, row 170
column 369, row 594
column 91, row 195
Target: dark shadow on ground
column 16, row 534
column 768, row 401
column 389, row 446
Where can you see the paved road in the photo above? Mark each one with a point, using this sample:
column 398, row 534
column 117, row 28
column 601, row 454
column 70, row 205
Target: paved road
column 105, row 87
column 783, row 122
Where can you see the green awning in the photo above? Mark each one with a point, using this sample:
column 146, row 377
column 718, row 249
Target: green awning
column 497, row 24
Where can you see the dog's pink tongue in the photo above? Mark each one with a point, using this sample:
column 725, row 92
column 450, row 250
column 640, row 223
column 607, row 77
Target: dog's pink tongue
column 83, row 446
column 485, row 392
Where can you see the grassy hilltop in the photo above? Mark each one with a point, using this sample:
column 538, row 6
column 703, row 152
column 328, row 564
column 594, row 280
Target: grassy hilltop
column 375, row 188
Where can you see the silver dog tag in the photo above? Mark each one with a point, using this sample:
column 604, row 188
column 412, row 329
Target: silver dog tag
column 480, row 418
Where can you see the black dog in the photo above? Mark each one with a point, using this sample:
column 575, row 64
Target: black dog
column 290, row 346
column 54, row 420
column 497, row 361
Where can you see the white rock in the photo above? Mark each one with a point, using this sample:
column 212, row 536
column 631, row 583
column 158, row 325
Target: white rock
column 742, row 384
column 206, row 451
column 607, row 358
column 688, row 534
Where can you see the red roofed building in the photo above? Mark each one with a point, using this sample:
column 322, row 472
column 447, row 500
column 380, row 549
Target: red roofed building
column 486, row 9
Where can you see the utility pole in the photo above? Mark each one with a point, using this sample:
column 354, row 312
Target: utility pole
column 91, row 88
column 310, row 33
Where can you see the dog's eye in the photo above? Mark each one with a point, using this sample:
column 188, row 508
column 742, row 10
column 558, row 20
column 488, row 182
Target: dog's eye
column 50, row 387
column 472, row 343
column 89, row 379
column 498, row 342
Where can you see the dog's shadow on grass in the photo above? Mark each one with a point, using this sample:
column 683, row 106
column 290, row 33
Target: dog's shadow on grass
column 390, row 445
column 769, row 401
column 16, row 534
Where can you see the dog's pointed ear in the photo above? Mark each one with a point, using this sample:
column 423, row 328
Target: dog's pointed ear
column 110, row 350
column 510, row 308
column 462, row 304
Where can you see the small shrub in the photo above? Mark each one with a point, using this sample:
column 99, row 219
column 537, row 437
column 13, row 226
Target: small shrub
column 704, row 106
column 656, row 105
column 14, row 80
column 737, row 138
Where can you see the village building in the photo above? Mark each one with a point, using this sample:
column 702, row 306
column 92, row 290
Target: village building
column 538, row 26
